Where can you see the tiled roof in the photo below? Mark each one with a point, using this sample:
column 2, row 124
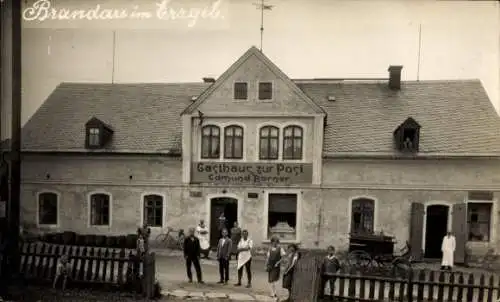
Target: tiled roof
column 456, row 116
column 144, row 117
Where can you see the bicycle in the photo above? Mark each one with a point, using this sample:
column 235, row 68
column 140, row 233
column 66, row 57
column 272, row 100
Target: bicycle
column 172, row 239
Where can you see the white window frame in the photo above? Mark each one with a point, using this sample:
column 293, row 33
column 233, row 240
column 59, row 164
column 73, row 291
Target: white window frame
column 257, row 144
column 375, row 211
column 89, row 210
column 281, row 127
column 493, row 220
column 298, row 226
column 222, row 127
column 98, row 134
column 303, row 129
column 164, row 209
column 38, row 209
column 223, row 139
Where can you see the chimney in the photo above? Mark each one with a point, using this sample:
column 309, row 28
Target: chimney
column 208, row 80
column 395, row 77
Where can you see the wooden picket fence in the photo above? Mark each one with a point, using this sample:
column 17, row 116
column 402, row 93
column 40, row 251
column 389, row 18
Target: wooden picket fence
column 91, row 266
column 420, row 286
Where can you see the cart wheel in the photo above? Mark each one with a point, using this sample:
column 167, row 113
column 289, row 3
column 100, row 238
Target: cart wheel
column 360, row 260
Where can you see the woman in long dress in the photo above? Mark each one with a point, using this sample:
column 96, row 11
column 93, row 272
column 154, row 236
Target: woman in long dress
column 273, row 260
column 290, row 260
column 203, row 237
column 245, row 258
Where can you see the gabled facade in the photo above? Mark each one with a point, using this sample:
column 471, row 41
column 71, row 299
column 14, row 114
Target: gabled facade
column 309, row 161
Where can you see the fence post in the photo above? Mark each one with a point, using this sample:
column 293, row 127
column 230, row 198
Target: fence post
column 148, row 279
column 410, row 286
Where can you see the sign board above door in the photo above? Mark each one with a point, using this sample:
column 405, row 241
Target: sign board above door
column 237, row 173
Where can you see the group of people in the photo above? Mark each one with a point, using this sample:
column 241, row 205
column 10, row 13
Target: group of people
column 280, row 262
column 239, row 245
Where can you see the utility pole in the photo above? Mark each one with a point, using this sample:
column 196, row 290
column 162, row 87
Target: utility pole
column 262, row 6
column 14, row 205
column 113, row 58
column 419, row 50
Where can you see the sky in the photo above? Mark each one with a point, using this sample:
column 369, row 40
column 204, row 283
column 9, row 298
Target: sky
column 305, row 38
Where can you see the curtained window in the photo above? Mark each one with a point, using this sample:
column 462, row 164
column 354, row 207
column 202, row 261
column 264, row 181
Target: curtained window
column 210, row 142
column 94, row 140
column 282, row 215
column 292, row 142
column 233, row 142
column 269, row 142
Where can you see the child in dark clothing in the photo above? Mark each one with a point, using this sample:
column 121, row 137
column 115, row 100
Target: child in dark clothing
column 330, row 267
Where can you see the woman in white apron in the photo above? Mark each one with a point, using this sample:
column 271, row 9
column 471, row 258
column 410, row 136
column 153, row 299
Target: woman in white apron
column 202, row 234
column 245, row 258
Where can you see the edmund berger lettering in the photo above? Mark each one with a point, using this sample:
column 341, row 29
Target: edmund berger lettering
column 248, row 173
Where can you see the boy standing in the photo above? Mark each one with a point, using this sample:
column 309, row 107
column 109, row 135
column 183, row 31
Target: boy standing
column 330, row 267
column 223, row 254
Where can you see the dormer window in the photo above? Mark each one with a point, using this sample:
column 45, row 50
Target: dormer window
column 97, row 134
column 240, row 91
column 265, row 91
column 94, row 139
column 407, row 136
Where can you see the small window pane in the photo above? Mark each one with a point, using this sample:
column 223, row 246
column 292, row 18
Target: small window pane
column 153, row 210
column 210, row 141
column 47, row 209
column 100, row 207
column 265, row 91
column 269, row 142
column 233, row 142
column 479, row 221
column 240, row 91
column 362, row 216
column 292, row 143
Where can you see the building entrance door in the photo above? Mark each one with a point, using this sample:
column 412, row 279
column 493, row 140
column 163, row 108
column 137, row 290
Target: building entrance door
column 436, row 226
column 229, row 207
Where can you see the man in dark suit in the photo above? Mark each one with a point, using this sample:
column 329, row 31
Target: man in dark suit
column 223, row 254
column 192, row 252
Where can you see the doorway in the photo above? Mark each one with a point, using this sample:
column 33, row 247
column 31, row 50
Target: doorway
column 436, row 226
column 226, row 205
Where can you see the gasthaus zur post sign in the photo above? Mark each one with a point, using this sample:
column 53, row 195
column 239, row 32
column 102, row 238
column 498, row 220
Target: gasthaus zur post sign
column 234, row 173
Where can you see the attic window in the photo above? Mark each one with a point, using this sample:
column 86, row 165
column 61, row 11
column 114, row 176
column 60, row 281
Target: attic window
column 265, row 91
column 407, row 136
column 94, row 137
column 240, row 91
column 97, row 134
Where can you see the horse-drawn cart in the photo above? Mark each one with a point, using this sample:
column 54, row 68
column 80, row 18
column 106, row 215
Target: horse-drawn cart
column 374, row 253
